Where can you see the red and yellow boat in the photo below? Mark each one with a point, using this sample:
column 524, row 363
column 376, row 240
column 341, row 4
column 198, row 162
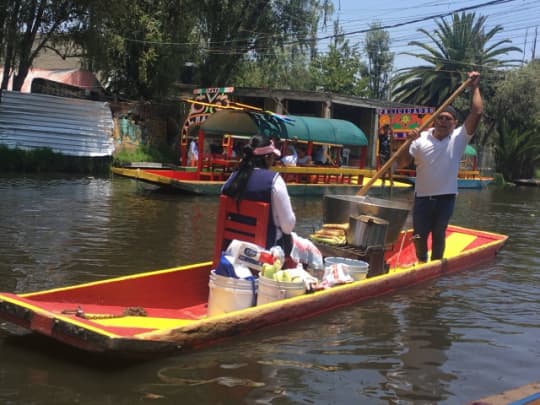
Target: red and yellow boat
column 167, row 310
column 221, row 136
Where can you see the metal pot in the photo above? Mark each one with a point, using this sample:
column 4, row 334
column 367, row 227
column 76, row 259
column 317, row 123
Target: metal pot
column 366, row 232
column 338, row 209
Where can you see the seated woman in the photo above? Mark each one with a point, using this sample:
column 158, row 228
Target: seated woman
column 256, row 182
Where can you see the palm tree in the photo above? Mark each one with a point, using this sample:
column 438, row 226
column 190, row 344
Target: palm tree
column 458, row 46
column 517, row 152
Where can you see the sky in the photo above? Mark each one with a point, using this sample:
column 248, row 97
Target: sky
column 519, row 19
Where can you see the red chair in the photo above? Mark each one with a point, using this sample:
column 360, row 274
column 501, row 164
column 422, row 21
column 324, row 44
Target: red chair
column 248, row 223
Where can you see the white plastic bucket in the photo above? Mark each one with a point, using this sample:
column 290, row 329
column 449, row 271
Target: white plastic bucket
column 271, row 290
column 228, row 294
column 357, row 269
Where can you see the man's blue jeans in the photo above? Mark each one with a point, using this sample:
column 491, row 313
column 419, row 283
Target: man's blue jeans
column 431, row 214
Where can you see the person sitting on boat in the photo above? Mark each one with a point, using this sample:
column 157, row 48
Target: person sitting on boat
column 303, row 158
column 193, row 153
column 291, row 157
column 322, row 156
column 437, row 153
column 253, row 180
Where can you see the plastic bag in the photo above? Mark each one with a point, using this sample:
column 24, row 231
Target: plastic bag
column 304, row 251
column 297, row 275
column 336, row 274
column 225, row 266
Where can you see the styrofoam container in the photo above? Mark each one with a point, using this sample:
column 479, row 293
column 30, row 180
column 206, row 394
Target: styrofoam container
column 228, row 294
column 271, row 290
column 357, row 269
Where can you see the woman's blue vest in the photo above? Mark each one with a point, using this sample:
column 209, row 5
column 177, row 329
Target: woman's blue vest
column 259, row 188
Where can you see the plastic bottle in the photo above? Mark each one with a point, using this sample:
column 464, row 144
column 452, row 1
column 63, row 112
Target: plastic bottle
column 249, row 254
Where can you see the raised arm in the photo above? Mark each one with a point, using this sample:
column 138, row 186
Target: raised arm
column 477, row 104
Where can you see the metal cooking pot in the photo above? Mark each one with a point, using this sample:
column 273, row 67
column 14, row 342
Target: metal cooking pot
column 367, row 232
column 338, row 209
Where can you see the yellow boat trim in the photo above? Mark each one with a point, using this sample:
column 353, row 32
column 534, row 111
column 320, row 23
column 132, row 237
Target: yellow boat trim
column 49, row 314
column 144, row 322
column 142, row 174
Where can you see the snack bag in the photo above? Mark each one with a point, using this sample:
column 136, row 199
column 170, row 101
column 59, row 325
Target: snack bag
column 336, row 274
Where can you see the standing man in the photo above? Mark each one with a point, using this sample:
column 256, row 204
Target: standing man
column 437, row 153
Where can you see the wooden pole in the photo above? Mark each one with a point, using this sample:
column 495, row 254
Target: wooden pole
column 388, row 164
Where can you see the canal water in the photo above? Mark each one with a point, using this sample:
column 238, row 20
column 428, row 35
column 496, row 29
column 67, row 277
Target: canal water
column 448, row 341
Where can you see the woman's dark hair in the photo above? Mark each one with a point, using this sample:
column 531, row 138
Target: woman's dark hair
column 237, row 186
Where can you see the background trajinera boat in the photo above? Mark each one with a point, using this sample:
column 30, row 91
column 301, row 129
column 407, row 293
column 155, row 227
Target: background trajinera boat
column 220, row 139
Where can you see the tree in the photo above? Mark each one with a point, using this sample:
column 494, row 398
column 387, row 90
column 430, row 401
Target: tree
column 285, row 65
column 380, row 60
column 340, row 70
column 28, row 26
column 139, row 47
column 286, row 69
column 516, row 106
column 142, row 47
column 256, row 29
column 454, row 48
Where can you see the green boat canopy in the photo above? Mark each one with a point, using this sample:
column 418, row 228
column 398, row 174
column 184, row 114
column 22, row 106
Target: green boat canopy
column 293, row 127
column 324, row 130
column 470, row 151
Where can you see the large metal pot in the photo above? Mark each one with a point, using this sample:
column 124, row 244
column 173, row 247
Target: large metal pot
column 367, row 232
column 338, row 209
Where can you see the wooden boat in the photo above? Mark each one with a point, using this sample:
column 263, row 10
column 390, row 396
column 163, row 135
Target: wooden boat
column 301, row 180
column 527, row 182
column 528, row 394
column 221, row 136
column 166, row 311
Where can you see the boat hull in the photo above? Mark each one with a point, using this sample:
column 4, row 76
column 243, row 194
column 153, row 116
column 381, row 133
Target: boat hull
column 93, row 316
column 328, row 181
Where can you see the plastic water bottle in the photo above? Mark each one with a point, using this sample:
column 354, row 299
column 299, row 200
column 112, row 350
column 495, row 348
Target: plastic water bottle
column 249, row 254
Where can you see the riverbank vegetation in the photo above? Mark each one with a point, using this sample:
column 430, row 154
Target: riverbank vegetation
column 44, row 160
column 143, row 153
column 141, row 49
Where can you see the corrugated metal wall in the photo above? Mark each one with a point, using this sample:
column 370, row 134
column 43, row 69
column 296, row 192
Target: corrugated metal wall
column 69, row 126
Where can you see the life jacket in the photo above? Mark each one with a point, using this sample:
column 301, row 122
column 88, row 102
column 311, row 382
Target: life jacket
column 259, row 188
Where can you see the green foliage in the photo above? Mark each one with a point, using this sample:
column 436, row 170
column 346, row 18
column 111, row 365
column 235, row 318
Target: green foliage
column 380, row 60
column 341, row 69
column 456, row 47
column 258, row 30
column 28, row 26
column 139, row 46
column 287, row 69
column 515, row 111
column 144, row 153
column 517, row 152
column 45, row 160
